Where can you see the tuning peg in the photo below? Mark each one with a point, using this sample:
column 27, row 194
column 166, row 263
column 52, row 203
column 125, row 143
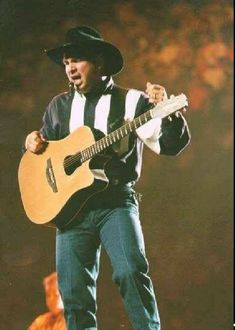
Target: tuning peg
column 169, row 118
column 177, row 114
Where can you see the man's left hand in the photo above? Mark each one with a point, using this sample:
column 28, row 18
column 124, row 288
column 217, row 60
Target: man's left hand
column 155, row 92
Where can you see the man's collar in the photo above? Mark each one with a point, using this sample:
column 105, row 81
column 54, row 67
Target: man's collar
column 103, row 88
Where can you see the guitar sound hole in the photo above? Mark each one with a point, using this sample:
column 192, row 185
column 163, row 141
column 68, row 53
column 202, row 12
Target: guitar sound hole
column 71, row 164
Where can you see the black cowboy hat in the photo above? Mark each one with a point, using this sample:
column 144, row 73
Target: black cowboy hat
column 85, row 42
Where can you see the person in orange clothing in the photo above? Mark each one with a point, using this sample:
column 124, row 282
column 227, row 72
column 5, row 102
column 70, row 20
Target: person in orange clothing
column 54, row 319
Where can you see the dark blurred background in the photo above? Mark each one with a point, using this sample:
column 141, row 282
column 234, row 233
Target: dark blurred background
column 187, row 209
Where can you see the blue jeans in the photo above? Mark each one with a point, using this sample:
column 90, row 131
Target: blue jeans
column 78, row 249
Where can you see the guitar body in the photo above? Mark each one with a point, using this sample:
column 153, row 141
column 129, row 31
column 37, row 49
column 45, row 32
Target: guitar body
column 49, row 194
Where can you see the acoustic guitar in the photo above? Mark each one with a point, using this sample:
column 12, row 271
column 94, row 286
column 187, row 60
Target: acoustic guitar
column 56, row 183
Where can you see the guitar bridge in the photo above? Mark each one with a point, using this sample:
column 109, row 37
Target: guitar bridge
column 50, row 176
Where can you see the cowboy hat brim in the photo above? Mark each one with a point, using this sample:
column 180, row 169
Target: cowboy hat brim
column 113, row 60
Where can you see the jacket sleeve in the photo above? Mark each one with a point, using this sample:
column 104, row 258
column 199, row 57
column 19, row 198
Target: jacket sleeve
column 165, row 137
column 48, row 130
column 175, row 135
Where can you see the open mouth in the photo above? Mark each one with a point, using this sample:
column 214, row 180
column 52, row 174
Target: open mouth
column 76, row 77
column 77, row 80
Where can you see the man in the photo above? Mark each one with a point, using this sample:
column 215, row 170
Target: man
column 111, row 217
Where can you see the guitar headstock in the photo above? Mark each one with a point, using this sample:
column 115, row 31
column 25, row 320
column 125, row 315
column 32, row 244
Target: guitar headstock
column 167, row 107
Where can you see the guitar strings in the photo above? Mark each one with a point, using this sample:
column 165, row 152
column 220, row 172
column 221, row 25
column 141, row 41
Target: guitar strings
column 106, row 141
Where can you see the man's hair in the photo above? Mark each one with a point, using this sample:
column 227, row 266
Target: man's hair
column 84, row 54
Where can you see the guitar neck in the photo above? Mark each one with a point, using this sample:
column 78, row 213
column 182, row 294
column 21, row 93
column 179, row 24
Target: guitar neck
column 161, row 110
column 115, row 136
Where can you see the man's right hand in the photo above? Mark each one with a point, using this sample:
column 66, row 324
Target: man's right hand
column 35, row 142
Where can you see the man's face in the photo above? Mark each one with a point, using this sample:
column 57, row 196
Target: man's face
column 84, row 74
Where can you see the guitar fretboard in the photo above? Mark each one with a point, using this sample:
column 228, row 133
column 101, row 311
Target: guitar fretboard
column 115, row 136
